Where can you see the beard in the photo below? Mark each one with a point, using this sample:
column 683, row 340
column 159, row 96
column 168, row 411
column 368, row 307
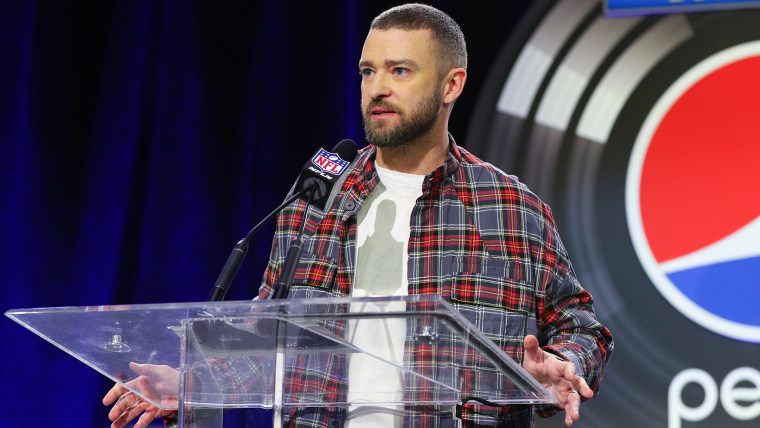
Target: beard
column 419, row 121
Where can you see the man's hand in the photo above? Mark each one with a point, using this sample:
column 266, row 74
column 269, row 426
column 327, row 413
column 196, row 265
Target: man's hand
column 550, row 371
column 158, row 383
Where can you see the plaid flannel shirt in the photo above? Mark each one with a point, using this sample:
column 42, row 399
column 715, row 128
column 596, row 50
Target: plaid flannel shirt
column 480, row 239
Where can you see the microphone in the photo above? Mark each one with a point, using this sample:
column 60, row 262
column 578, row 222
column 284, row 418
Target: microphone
column 317, row 179
column 324, row 169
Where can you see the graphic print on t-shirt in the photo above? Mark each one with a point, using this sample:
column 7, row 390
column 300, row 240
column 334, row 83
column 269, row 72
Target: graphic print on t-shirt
column 379, row 258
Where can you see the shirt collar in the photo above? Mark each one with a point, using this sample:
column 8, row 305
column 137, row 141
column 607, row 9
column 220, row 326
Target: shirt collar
column 433, row 178
column 449, row 167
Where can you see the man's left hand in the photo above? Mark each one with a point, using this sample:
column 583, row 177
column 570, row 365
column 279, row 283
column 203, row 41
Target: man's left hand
column 556, row 375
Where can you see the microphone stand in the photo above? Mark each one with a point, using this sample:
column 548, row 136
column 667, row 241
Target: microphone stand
column 281, row 291
column 231, row 267
column 233, row 263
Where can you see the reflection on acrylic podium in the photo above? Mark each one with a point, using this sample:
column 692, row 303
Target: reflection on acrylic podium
column 288, row 355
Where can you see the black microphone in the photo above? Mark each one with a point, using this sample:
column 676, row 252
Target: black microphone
column 324, row 169
column 317, row 179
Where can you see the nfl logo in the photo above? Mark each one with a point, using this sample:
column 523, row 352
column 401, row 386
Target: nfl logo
column 329, row 162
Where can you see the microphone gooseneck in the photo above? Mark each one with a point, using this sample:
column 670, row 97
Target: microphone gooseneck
column 235, row 260
column 317, row 179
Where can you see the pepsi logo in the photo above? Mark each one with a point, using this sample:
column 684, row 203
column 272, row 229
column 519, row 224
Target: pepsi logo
column 693, row 193
column 642, row 135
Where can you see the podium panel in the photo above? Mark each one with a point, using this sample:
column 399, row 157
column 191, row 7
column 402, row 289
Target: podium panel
column 390, row 352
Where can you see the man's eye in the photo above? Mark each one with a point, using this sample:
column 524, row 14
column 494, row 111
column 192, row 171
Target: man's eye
column 400, row 71
column 366, row 72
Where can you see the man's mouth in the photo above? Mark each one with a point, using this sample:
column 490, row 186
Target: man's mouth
column 381, row 112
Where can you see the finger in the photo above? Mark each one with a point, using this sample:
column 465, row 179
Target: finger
column 147, row 417
column 531, row 348
column 121, row 405
column 129, row 413
column 113, row 394
column 148, row 369
column 578, row 383
column 572, row 408
column 582, row 387
column 569, row 372
column 125, row 402
column 141, row 369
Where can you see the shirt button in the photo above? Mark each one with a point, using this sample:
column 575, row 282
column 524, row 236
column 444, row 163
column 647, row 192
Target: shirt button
column 368, row 176
column 364, row 196
column 350, row 205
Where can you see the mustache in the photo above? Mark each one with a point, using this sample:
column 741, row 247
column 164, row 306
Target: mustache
column 382, row 104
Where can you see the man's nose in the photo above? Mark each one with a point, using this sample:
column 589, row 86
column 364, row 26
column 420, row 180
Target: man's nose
column 378, row 87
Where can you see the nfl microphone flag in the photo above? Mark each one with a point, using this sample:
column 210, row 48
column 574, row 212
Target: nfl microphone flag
column 330, row 163
column 324, row 169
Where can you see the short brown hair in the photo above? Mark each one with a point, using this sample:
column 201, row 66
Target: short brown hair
column 446, row 32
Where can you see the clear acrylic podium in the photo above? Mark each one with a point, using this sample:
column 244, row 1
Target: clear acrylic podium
column 393, row 352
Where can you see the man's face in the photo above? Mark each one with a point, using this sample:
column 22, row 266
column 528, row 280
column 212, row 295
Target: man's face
column 401, row 90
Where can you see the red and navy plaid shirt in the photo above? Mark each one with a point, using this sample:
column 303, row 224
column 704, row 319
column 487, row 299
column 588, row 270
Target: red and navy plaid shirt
column 480, row 239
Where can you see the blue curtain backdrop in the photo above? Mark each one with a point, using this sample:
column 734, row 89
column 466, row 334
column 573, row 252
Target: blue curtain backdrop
column 141, row 139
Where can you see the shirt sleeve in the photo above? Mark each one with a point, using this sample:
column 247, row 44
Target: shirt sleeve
column 567, row 324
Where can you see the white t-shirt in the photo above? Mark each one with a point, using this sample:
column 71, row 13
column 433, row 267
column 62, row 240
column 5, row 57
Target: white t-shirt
column 381, row 270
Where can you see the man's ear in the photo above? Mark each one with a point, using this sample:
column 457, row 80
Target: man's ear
column 453, row 84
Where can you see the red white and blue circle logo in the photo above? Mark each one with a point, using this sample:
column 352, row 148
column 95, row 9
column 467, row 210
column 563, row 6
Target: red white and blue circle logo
column 643, row 135
column 693, row 193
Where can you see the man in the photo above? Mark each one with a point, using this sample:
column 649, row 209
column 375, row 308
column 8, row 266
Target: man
column 470, row 233
column 467, row 231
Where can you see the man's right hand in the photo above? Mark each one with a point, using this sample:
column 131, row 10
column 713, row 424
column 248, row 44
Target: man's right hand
column 158, row 383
